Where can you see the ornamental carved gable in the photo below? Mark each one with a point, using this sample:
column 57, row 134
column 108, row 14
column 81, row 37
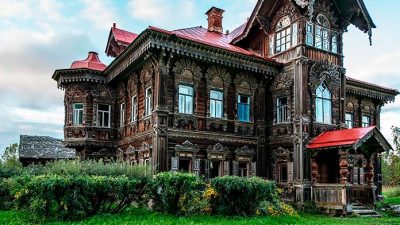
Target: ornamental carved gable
column 286, row 10
column 187, row 71
column 322, row 7
column 325, row 72
column 218, row 77
column 283, row 81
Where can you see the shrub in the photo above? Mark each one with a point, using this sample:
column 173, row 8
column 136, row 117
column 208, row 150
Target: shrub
column 76, row 197
column 276, row 209
column 176, row 193
column 392, row 192
column 8, row 170
column 241, row 196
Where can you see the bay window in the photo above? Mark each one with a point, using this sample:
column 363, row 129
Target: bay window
column 243, row 108
column 320, row 35
column 77, row 114
column 323, row 105
column 185, row 99
column 216, row 104
column 103, row 115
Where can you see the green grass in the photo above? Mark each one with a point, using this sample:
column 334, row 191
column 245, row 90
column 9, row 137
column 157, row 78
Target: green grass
column 141, row 216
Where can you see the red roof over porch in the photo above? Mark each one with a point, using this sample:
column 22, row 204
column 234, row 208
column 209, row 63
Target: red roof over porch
column 346, row 138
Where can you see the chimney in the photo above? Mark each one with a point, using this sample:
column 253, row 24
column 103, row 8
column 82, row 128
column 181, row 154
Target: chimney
column 215, row 19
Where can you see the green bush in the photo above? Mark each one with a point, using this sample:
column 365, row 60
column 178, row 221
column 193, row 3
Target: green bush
column 175, row 193
column 275, row 209
column 241, row 196
column 8, row 170
column 76, row 197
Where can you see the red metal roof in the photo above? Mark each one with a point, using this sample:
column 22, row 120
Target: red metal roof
column 123, row 36
column 91, row 62
column 203, row 36
column 339, row 137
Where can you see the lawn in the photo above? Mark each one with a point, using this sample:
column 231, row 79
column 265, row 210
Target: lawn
column 140, row 216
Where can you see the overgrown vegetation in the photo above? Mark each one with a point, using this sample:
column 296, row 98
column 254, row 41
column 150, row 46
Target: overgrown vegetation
column 391, row 161
column 71, row 190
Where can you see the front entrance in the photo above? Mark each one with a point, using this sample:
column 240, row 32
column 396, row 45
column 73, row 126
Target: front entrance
column 215, row 168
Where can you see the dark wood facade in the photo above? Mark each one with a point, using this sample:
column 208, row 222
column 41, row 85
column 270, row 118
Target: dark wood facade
column 272, row 142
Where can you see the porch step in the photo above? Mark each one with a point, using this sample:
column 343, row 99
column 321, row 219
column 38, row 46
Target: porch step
column 363, row 211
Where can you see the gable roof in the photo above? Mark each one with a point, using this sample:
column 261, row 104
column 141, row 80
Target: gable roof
column 43, row 147
column 361, row 20
column 120, row 37
column 347, row 138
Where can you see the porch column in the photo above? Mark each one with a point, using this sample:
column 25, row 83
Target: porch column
column 343, row 166
column 314, row 171
column 370, row 170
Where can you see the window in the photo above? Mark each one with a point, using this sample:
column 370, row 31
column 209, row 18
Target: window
column 77, row 114
column 122, row 115
column 283, row 173
column 322, row 33
column 148, row 102
column 134, row 109
column 334, row 42
column 366, row 122
column 103, row 115
column 283, row 35
column 281, row 110
column 349, row 120
column 309, row 34
column 216, row 104
column 323, row 105
column 244, row 108
column 185, row 99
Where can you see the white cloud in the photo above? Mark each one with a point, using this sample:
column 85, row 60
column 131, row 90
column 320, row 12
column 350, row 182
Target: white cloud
column 161, row 14
column 101, row 13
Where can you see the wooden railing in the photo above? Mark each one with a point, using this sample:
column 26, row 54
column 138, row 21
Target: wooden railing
column 331, row 196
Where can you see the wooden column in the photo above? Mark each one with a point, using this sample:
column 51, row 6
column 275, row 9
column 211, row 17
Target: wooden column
column 370, row 170
column 343, row 164
column 314, row 170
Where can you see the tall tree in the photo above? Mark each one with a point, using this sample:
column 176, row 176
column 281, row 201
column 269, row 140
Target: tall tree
column 10, row 154
column 391, row 162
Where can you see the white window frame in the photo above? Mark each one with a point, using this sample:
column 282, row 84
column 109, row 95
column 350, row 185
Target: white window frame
column 349, row 121
column 324, row 100
column 77, row 114
column 186, row 100
column 148, row 101
column 122, row 114
column 101, row 113
column 215, row 101
column 133, row 108
column 364, row 123
column 282, row 110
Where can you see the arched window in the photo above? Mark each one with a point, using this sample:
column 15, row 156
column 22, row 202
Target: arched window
column 283, row 35
column 322, row 32
column 323, row 105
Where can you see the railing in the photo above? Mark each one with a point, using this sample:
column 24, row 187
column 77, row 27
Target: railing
column 331, row 196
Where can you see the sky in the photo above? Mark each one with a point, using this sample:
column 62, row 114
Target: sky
column 39, row 36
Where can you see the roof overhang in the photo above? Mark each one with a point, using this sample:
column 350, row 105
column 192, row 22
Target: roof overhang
column 349, row 139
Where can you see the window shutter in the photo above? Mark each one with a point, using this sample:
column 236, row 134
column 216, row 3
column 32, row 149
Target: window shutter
column 174, row 163
column 207, row 169
column 226, row 168
column 196, row 166
column 290, row 171
column 253, row 169
column 309, row 34
column 271, row 45
column 294, row 34
column 235, row 168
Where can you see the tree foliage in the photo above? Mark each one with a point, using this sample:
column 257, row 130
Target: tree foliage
column 391, row 162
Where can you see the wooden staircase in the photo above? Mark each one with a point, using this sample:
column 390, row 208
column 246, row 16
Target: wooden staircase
column 364, row 211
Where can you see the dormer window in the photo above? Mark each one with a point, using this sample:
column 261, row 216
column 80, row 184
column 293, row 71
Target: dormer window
column 285, row 36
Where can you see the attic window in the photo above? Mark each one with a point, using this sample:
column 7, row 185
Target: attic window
column 285, row 36
column 321, row 36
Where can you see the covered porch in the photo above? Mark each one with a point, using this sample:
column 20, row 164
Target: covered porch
column 343, row 171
